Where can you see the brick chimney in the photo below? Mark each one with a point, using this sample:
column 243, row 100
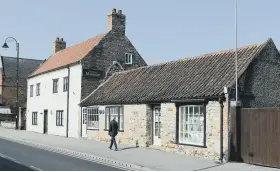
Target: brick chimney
column 116, row 22
column 58, row 44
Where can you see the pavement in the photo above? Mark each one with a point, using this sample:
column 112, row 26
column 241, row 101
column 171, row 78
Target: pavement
column 27, row 157
column 129, row 157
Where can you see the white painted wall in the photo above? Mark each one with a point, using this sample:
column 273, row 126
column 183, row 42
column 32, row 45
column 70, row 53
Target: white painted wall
column 55, row 101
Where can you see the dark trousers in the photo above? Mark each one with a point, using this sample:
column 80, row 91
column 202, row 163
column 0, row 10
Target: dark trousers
column 113, row 141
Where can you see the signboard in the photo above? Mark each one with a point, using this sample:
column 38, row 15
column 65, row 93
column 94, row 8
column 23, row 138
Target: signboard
column 92, row 73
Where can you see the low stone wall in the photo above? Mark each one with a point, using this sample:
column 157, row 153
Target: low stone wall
column 8, row 124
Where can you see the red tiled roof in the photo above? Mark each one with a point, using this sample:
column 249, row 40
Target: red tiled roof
column 69, row 55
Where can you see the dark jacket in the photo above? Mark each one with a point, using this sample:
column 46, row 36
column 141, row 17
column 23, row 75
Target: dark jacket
column 113, row 128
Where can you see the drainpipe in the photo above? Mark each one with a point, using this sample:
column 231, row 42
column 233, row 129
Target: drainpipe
column 67, row 118
column 221, row 100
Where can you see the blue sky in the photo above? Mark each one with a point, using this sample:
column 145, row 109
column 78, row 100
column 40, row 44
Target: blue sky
column 161, row 30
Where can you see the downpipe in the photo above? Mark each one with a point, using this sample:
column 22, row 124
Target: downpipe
column 221, row 101
column 67, row 120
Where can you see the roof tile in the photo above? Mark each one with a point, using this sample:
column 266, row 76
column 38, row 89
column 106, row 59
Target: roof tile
column 69, row 55
column 195, row 77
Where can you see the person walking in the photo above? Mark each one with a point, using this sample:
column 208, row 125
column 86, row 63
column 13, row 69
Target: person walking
column 113, row 132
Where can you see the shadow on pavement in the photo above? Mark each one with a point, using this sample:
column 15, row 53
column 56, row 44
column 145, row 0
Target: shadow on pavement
column 206, row 168
column 133, row 147
column 8, row 165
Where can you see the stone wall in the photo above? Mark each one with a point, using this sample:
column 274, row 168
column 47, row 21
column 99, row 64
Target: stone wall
column 8, row 124
column 135, row 127
column 262, row 79
column 212, row 150
column 111, row 48
column 138, row 126
column 10, row 92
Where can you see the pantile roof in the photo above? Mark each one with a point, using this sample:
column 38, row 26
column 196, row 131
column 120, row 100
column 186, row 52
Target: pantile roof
column 196, row 77
column 69, row 55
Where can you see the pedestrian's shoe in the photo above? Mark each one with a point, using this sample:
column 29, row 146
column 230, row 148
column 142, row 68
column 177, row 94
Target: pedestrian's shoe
column 116, row 149
column 110, row 148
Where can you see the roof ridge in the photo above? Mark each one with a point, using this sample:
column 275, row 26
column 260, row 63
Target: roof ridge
column 84, row 45
column 23, row 58
column 103, row 34
column 197, row 56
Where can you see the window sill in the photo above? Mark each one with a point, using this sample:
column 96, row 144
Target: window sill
column 59, row 125
column 193, row 145
column 119, row 130
column 94, row 129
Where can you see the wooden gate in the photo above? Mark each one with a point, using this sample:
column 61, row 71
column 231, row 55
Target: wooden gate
column 256, row 136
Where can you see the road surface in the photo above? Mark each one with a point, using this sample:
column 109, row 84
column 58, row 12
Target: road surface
column 18, row 157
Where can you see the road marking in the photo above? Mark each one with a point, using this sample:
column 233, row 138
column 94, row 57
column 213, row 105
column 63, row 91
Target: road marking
column 80, row 155
column 35, row 168
column 14, row 160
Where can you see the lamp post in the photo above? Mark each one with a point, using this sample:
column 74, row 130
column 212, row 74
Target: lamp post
column 236, row 73
column 17, row 48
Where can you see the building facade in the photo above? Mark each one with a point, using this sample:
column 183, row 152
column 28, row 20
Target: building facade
column 72, row 73
column 183, row 106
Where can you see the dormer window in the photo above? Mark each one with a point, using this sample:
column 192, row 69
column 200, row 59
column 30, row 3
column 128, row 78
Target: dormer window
column 128, row 58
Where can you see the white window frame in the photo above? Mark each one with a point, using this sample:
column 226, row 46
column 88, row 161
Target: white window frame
column 59, row 118
column 128, row 58
column 31, row 90
column 114, row 111
column 34, row 118
column 65, row 84
column 192, row 125
column 84, row 112
column 38, row 89
column 55, row 86
column 92, row 118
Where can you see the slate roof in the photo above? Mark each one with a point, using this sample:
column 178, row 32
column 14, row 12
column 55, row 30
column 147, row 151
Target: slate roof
column 26, row 66
column 195, row 77
column 69, row 55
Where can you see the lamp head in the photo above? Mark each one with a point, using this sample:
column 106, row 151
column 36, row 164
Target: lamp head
column 5, row 45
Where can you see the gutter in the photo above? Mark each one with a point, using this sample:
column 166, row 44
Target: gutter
column 67, row 118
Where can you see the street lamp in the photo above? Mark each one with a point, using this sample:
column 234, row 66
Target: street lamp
column 17, row 47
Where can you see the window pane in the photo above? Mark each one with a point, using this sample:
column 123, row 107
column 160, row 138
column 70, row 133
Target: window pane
column 196, row 110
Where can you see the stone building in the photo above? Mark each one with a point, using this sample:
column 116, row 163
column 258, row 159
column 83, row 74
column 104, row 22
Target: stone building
column 8, row 80
column 182, row 106
column 72, row 73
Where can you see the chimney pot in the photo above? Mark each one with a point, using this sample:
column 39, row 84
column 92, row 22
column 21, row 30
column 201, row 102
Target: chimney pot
column 116, row 22
column 58, row 45
column 114, row 10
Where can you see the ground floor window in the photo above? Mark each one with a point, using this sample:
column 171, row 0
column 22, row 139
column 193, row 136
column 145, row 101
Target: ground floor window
column 92, row 118
column 191, row 125
column 117, row 112
column 34, row 118
column 59, row 118
column 84, row 115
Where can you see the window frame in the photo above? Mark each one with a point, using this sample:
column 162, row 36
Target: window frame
column 65, row 83
column 55, row 80
column 119, row 115
column 59, row 118
column 38, row 85
column 178, row 123
column 34, row 118
column 128, row 56
column 31, row 87
column 92, row 117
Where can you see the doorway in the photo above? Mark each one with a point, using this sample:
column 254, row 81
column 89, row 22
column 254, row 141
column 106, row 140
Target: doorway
column 156, row 125
column 45, row 121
